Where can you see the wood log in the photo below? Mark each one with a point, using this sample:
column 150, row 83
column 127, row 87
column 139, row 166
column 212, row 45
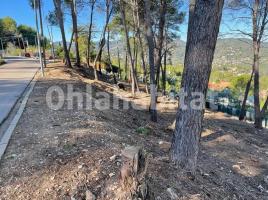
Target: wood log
column 133, row 173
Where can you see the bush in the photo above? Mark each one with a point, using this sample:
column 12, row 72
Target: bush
column 2, row 62
column 12, row 50
column 144, row 130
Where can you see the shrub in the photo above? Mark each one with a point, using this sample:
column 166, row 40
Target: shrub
column 2, row 62
column 144, row 130
column 12, row 50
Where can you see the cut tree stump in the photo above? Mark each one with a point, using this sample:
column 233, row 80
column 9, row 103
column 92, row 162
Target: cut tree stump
column 133, row 174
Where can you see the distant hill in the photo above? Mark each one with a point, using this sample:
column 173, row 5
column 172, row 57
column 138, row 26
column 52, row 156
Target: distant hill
column 231, row 54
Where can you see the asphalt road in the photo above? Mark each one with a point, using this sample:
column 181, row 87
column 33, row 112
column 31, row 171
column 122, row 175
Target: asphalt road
column 14, row 78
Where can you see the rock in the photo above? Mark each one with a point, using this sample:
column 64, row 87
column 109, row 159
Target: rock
column 90, row 195
column 165, row 146
column 111, row 174
column 72, row 198
column 80, row 166
column 172, row 194
column 113, row 158
column 261, row 189
column 236, row 167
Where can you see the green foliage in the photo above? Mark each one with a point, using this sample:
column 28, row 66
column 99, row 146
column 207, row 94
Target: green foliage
column 2, row 62
column 8, row 26
column 60, row 52
column 218, row 76
column 28, row 33
column 238, row 84
column 144, row 130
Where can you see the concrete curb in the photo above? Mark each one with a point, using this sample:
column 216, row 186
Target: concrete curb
column 7, row 134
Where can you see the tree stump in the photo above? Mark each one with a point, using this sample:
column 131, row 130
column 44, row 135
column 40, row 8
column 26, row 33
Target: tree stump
column 133, row 174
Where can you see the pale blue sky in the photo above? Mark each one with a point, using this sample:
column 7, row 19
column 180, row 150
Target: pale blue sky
column 23, row 14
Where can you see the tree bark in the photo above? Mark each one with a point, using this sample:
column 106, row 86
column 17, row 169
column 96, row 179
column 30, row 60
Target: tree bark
column 102, row 41
column 164, row 73
column 90, row 31
column 42, row 33
column 203, row 29
column 123, row 16
column 50, row 32
column 75, row 31
column 119, row 62
column 264, row 108
column 141, row 46
column 244, row 104
column 256, row 48
column 150, row 41
column 57, row 4
column 126, row 66
column 160, row 39
column 109, row 55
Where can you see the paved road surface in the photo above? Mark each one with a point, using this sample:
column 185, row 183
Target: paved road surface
column 14, row 78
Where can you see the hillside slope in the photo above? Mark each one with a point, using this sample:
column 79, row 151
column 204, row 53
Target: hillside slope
column 231, row 54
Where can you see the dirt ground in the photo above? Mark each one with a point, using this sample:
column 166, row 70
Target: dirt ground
column 63, row 154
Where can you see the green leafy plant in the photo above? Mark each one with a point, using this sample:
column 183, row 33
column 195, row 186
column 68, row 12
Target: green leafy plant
column 144, row 130
column 2, row 62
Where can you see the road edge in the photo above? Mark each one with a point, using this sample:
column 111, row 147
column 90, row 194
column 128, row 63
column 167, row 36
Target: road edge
column 4, row 140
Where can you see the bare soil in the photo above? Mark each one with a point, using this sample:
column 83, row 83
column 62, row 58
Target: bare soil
column 62, row 154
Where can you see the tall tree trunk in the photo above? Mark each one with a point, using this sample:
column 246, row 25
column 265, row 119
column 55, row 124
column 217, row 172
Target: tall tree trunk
column 150, row 41
column 258, row 118
column 119, row 62
column 126, row 66
column 160, row 39
column 256, row 48
column 71, row 41
column 70, row 45
column 132, row 72
column 102, row 40
column 164, row 73
column 244, row 103
column 38, row 38
column 203, row 29
column 75, row 30
column 141, row 46
column 50, row 32
column 43, row 42
column 109, row 54
column 90, row 31
column 264, row 108
column 57, row 4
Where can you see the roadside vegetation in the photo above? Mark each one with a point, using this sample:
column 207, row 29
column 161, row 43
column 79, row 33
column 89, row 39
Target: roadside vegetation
column 2, row 62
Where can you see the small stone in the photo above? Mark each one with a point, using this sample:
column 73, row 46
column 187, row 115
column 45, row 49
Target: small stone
column 261, row 189
column 112, row 158
column 72, row 198
column 90, row 195
column 236, row 167
column 80, row 166
column 172, row 194
column 165, row 146
column 111, row 174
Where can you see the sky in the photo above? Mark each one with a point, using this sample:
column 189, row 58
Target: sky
column 23, row 14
